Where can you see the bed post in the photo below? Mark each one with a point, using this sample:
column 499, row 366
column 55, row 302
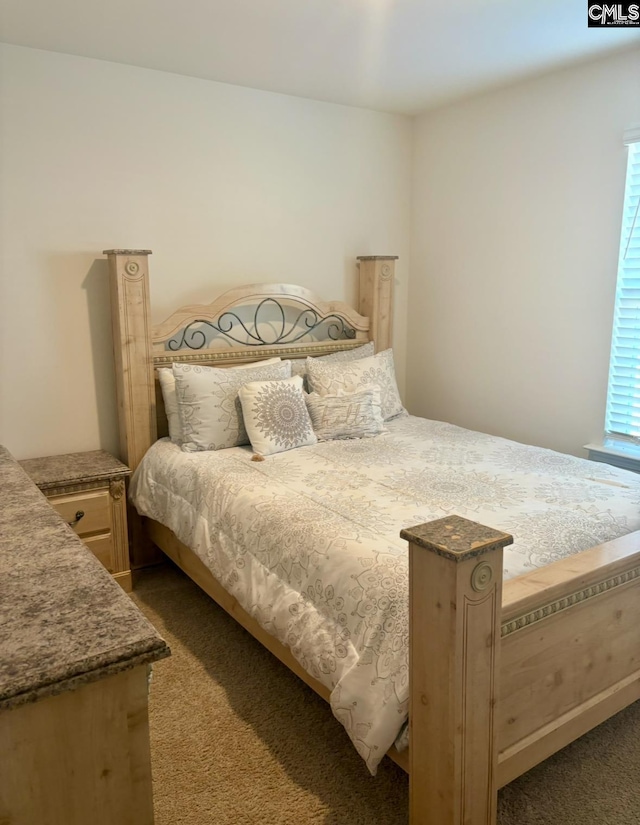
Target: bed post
column 376, row 296
column 135, row 389
column 455, row 600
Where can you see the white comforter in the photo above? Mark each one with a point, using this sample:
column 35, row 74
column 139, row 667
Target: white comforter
column 308, row 543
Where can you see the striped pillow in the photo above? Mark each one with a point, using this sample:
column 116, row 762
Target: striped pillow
column 346, row 415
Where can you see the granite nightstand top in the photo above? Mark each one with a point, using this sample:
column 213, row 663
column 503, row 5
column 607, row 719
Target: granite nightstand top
column 74, row 468
column 64, row 621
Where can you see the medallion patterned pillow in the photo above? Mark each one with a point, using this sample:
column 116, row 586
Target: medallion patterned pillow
column 299, row 365
column 208, row 403
column 346, row 415
column 168, row 387
column 378, row 371
column 275, row 415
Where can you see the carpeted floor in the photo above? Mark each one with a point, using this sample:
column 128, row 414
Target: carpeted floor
column 236, row 739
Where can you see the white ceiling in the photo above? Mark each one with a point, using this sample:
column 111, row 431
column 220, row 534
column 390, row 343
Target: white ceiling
column 393, row 55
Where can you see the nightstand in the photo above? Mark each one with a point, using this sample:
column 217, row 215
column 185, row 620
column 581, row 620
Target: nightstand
column 89, row 492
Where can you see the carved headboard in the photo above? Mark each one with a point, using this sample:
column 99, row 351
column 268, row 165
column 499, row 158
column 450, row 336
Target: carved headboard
column 243, row 325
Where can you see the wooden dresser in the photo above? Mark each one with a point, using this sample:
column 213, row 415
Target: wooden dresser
column 75, row 655
column 89, row 491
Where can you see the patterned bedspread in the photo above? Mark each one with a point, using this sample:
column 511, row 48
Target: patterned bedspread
column 308, row 543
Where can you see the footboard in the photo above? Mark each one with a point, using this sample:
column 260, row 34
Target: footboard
column 495, row 691
column 570, row 651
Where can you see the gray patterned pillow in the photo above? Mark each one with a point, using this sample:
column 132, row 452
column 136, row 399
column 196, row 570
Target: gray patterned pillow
column 208, row 403
column 347, row 415
column 299, row 365
column 378, row 371
column 275, row 415
column 168, row 387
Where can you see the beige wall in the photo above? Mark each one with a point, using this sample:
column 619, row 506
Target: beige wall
column 515, row 232
column 226, row 185
column 514, row 229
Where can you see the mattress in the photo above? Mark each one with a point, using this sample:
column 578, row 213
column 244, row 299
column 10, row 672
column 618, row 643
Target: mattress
column 308, row 540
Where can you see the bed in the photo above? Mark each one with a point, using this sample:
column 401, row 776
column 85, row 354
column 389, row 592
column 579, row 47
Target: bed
column 501, row 673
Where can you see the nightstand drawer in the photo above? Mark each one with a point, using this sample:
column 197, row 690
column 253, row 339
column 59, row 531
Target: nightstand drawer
column 94, row 505
column 102, row 549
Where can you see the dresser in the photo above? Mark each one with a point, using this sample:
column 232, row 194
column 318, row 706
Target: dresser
column 75, row 657
column 89, row 491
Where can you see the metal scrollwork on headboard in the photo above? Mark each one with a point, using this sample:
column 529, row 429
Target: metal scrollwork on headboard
column 252, row 332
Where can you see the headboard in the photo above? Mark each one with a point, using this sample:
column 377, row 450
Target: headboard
column 243, row 325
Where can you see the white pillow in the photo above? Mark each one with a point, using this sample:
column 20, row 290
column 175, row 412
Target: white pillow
column 299, row 365
column 275, row 415
column 208, row 403
column 168, row 387
column 346, row 415
column 378, row 370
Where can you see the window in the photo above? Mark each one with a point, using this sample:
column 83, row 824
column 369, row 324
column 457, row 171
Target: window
column 623, row 395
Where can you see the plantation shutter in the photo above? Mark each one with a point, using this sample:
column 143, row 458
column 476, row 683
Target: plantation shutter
column 623, row 396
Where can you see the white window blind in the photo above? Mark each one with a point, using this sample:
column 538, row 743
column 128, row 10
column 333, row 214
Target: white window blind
column 623, row 396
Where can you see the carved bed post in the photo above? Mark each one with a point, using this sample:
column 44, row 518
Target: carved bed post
column 135, row 388
column 376, row 296
column 455, row 600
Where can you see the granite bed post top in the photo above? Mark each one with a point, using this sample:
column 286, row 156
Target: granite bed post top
column 64, row 621
column 456, row 538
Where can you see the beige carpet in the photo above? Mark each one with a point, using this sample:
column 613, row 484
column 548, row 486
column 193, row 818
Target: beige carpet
column 237, row 739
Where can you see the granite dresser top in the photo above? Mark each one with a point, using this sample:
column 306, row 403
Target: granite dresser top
column 64, row 621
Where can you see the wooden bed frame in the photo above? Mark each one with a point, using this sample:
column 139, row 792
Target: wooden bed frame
column 501, row 676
